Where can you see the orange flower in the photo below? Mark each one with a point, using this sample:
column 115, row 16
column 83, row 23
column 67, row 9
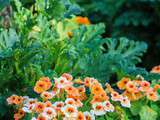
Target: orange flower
column 96, row 89
column 98, row 109
column 40, row 86
column 82, row 20
column 83, row 96
column 47, row 80
column 80, row 116
column 47, row 95
column 32, row 101
column 14, row 99
column 81, row 89
column 108, row 106
column 156, row 87
column 125, row 102
column 115, row 96
column 20, row 114
column 70, row 101
column 87, row 82
column 72, row 90
column 130, row 86
column 58, row 106
column 156, row 69
column 78, row 102
column 133, row 96
column 40, row 117
column 39, row 107
column 103, row 96
column 67, row 76
column 70, row 111
column 109, row 88
column 152, row 96
column 100, row 97
column 122, row 83
column 144, row 86
column 19, row 100
column 95, row 99
column 48, row 104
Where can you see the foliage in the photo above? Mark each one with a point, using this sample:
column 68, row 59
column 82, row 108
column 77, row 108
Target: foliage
column 46, row 38
column 131, row 18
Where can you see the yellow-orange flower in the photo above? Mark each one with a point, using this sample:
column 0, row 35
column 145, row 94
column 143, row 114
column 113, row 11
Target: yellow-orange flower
column 122, row 83
column 82, row 20
column 40, row 86
column 96, row 89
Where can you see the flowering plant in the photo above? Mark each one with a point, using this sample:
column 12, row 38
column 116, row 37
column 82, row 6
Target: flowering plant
column 67, row 98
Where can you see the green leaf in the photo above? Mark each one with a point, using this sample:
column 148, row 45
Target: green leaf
column 8, row 38
column 136, row 107
column 147, row 113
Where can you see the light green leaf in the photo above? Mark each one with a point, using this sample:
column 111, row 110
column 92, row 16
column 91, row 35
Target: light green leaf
column 147, row 113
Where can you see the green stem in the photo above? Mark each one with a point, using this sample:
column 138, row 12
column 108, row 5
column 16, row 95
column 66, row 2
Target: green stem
column 89, row 99
column 105, row 116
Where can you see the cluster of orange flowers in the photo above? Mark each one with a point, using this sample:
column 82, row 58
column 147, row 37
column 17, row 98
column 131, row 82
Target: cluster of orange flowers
column 136, row 89
column 63, row 100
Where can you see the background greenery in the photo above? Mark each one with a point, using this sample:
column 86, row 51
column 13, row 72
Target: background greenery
column 34, row 42
column 136, row 19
